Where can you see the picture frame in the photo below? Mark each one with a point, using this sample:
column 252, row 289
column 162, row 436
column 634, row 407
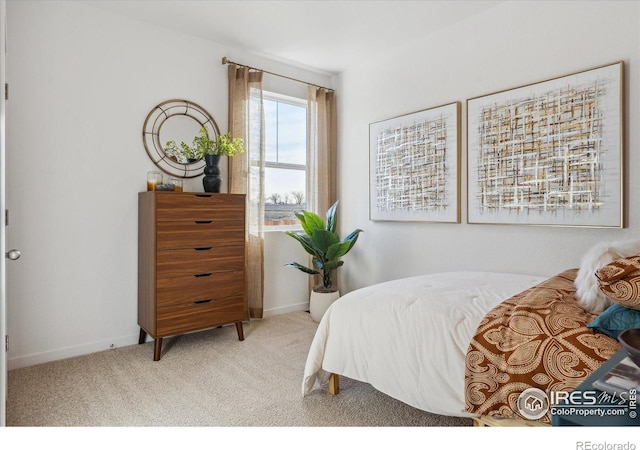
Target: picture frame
column 414, row 166
column 549, row 153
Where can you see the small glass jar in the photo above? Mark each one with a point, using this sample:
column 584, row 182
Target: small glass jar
column 177, row 184
column 154, row 178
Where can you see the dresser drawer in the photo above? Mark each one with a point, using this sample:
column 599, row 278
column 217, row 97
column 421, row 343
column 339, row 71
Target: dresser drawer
column 188, row 289
column 200, row 206
column 178, row 319
column 192, row 234
column 186, row 262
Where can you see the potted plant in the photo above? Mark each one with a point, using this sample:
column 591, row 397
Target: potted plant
column 322, row 242
column 203, row 145
column 223, row 144
column 209, row 149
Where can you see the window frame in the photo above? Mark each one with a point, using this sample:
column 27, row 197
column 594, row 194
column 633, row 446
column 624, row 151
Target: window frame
column 295, row 101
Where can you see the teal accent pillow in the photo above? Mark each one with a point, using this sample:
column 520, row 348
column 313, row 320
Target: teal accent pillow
column 615, row 319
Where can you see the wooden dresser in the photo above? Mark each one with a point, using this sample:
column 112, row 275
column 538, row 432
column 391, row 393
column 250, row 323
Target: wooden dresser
column 191, row 263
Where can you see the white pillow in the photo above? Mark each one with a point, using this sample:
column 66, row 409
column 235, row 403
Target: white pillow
column 588, row 293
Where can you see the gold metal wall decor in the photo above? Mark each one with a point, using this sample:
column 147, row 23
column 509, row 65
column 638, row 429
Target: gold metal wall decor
column 414, row 165
column 187, row 118
column 549, row 153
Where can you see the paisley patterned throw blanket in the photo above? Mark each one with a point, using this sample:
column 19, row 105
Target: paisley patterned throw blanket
column 537, row 338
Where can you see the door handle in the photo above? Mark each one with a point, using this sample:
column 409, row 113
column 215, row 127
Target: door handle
column 13, row 254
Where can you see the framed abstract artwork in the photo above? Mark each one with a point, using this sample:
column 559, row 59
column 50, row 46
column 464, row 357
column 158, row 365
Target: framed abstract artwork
column 549, row 153
column 414, row 165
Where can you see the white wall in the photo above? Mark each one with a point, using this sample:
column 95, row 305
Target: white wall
column 82, row 82
column 512, row 44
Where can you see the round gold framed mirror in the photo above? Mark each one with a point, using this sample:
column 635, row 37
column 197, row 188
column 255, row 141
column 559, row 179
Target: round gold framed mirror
column 178, row 121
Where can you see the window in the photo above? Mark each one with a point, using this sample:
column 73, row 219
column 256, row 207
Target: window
column 285, row 137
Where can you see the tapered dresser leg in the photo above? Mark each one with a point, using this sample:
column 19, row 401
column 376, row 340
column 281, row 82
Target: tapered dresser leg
column 143, row 336
column 157, row 349
column 240, row 331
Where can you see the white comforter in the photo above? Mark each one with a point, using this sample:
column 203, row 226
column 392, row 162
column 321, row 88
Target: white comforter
column 408, row 338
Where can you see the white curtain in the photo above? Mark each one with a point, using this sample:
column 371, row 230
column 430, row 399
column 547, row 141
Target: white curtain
column 246, row 174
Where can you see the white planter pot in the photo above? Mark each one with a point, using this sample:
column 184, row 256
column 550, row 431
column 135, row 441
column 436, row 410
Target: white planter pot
column 319, row 302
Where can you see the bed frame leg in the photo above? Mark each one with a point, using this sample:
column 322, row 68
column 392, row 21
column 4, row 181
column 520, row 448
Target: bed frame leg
column 334, row 384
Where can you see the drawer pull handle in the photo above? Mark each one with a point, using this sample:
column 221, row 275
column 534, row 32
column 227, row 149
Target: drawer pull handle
column 202, row 249
column 200, row 275
column 203, row 195
column 203, row 222
column 199, row 302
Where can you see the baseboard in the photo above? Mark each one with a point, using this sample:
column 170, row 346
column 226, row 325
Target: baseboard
column 285, row 309
column 70, row 352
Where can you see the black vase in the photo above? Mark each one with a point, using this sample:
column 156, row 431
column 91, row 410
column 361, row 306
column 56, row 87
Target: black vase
column 212, row 180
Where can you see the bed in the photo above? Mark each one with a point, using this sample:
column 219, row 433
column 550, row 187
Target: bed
column 461, row 344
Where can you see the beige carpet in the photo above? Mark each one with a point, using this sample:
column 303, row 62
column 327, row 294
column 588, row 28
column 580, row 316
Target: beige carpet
column 207, row 378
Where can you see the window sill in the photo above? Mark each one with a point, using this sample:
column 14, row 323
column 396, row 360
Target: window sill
column 280, row 228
